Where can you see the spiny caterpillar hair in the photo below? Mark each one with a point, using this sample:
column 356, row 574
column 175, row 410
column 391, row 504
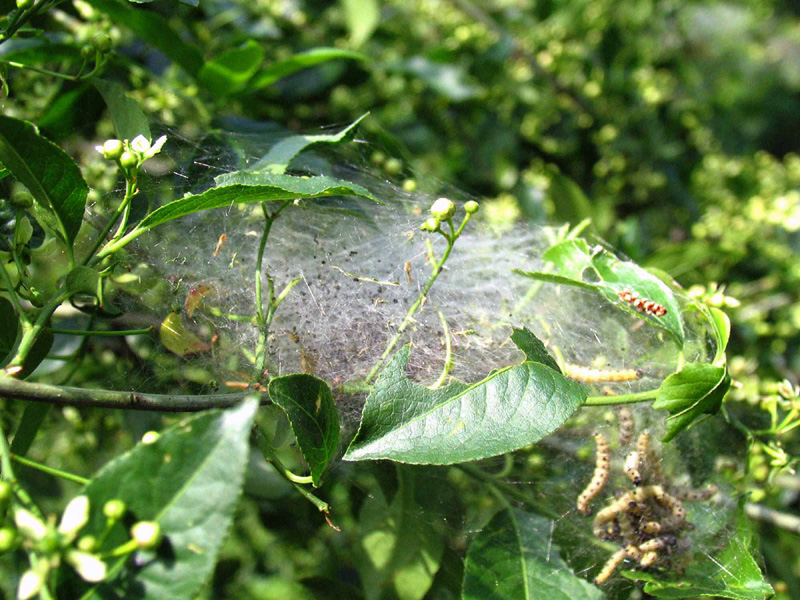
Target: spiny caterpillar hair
column 643, row 304
column 600, row 476
column 592, row 375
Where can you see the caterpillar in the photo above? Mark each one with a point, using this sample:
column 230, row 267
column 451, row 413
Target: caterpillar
column 677, row 511
column 600, row 476
column 692, row 495
column 643, row 304
column 632, row 471
column 591, row 375
column 626, row 426
column 613, row 562
column 652, row 465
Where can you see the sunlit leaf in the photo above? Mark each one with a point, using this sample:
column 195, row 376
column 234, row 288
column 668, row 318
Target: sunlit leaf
column 362, row 18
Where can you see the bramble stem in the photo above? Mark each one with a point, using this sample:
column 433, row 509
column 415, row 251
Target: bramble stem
column 437, row 269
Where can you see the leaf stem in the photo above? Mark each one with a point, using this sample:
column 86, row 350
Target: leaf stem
column 448, row 357
column 123, row 209
column 645, row 396
column 437, row 269
column 271, row 457
column 49, row 470
column 101, row 332
column 31, row 332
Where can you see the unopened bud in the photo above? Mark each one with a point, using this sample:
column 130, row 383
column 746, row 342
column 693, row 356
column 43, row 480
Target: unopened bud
column 471, row 207
column 7, row 539
column 75, row 516
column 128, row 160
column 112, row 149
column 114, row 509
column 88, row 566
column 150, row 437
column 6, row 490
column 146, row 534
column 103, row 43
column 443, row 209
column 430, row 224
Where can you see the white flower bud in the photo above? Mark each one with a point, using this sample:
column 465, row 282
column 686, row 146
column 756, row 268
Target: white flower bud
column 147, row 534
column 443, row 209
column 29, row 525
column 75, row 516
column 88, row 566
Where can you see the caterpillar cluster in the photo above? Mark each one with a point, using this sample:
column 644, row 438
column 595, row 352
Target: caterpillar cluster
column 591, row 375
column 648, row 520
column 643, row 304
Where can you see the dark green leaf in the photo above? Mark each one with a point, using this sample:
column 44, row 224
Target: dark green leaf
column 254, row 187
column 156, row 31
column 401, row 546
column 695, row 390
column 512, row 558
column 48, row 172
column 9, row 329
column 83, row 280
column 32, row 419
column 39, row 350
column 189, row 481
column 229, row 72
column 129, row 120
column 37, row 51
column 281, row 154
column 311, row 409
column 509, row 409
column 362, row 18
column 301, row 61
column 731, row 572
column 533, row 348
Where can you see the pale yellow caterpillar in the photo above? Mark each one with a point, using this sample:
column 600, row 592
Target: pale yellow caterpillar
column 652, row 465
column 626, row 426
column 631, row 468
column 691, row 495
column 648, row 558
column 613, row 562
column 601, row 468
column 591, row 375
column 673, row 505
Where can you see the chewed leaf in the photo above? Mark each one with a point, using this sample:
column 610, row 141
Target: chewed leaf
column 600, row 271
column 311, row 409
column 533, row 348
column 509, row 409
column 178, row 338
column 695, row 390
column 509, row 560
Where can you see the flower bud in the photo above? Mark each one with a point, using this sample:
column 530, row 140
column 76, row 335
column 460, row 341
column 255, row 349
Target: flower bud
column 150, row 437
column 87, row 543
column 75, row 516
column 29, row 524
column 88, row 566
column 112, row 149
column 114, row 509
column 443, row 209
column 430, row 224
column 87, row 51
column 128, row 160
column 6, row 490
column 29, row 585
column 7, row 539
column 471, row 207
column 146, row 534
column 103, row 43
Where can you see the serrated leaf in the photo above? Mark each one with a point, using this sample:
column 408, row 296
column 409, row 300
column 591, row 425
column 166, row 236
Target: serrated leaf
column 253, row 187
column 229, row 72
column 311, row 409
column 533, row 348
column 156, row 31
column 513, row 559
column 400, row 547
column 362, row 18
column 189, row 481
column 303, row 60
column 695, row 390
column 731, row 572
column 9, row 329
column 279, row 157
column 51, row 176
column 509, row 409
column 129, row 120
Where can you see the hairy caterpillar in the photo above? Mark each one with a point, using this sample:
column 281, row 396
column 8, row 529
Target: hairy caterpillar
column 590, row 375
column 626, row 426
column 643, row 304
column 600, row 476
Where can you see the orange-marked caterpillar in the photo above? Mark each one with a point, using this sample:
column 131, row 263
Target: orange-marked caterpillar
column 601, row 469
column 591, row 375
column 647, row 306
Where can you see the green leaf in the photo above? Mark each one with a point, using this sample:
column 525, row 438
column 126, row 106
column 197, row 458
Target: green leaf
column 722, row 333
column 129, row 120
column 32, row 418
column 695, row 390
column 281, row 154
column 400, row 546
column 9, row 329
column 48, row 172
column 362, row 18
column 731, row 572
column 533, row 348
column 311, row 409
column 512, row 559
column 509, row 409
column 229, row 72
column 304, row 60
column 598, row 270
column 39, row 351
column 189, row 481
column 82, row 280
column 156, row 31
column 253, row 187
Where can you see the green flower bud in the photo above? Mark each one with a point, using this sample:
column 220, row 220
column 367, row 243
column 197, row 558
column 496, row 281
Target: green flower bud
column 128, row 160
column 114, row 509
column 443, row 209
column 87, row 51
column 112, row 149
column 103, row 43
column 6, row 490
column 471, row 207
column 146, row 534
column 431, row 224
column 87, row 543
column 150, row 437
column 410, row 185
column 21, row 199
column 8, row 538
column 393, row 166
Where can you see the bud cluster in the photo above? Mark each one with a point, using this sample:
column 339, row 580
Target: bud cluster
column 130, row 155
